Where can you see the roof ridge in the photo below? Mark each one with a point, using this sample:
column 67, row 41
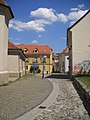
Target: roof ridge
column 34, row 44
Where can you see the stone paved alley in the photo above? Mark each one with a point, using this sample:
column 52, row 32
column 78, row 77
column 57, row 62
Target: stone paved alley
column 67, row 106
column 23, row 95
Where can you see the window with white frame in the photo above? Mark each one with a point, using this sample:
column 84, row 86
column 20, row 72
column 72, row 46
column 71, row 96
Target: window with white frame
column 35, row 60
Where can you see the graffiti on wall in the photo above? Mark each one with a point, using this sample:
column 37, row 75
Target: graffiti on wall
column 83, row 67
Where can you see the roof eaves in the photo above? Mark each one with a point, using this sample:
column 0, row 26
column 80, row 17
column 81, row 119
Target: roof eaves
column 5, row 5
column 78, row 20
column 17, row 49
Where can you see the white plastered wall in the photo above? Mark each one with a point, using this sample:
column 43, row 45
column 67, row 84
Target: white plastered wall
column 3, row 44
column 3, row 50
column 81, row 40
column 13, row 66
column 66, row 64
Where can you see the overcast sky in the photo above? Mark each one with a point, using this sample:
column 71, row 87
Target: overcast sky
column 44, row 21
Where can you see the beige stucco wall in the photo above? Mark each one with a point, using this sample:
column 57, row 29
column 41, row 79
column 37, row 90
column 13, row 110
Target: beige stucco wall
column 3, row 44
column 3, row 50
column 5, row 15
column 12, row 63
column 81, row 40
column 15, row 66
column 22, row 67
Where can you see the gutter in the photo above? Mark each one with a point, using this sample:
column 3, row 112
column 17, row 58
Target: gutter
column 16, row 51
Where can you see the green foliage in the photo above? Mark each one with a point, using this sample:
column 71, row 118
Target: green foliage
column 38, row 71
column 85, row 80
column 31, row 69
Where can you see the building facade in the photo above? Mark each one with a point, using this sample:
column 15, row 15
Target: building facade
column 16, row 61
column 78, row 41
column 5, row 15
column 39, row 57
column 56, row 63
column 64, row 61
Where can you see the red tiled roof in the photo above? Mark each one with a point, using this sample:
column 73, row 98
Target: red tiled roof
column 66, row 51
column 11, row 45
column 42, row 49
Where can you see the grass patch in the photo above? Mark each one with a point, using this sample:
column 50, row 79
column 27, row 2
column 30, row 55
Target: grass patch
column 85, row 80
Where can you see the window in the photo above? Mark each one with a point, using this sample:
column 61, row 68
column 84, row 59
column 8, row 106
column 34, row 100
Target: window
column 44, row 50
column 35, row 50
column 43, row 60
column 25, row 50
column 35, row 60
column 44, row 67
column 26, row 67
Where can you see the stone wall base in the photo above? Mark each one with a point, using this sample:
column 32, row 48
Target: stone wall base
column 16, row 74
column 13, row 74
column 83, row 93
column 4, row 78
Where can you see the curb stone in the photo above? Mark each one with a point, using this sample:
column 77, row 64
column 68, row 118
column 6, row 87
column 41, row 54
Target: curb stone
column 31, row 115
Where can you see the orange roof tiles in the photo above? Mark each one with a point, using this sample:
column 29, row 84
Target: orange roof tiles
column 42, row 49
column 11, row 45
column 66, row 51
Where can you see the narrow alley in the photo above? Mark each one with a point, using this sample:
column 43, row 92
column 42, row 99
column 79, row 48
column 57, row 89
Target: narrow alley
column 67, row 106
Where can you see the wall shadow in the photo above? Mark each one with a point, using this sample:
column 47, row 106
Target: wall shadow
column 59, row 76
column 83, row 95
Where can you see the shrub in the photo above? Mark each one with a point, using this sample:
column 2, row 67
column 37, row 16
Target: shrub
column 88, row 72
column 38, row 71
column 31, row 69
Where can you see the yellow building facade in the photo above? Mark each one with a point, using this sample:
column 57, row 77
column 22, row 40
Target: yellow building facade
column 40, row 64
column 39, row 58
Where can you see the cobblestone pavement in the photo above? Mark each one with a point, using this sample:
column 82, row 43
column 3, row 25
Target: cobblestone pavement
column 21, row 96
column 67, row 105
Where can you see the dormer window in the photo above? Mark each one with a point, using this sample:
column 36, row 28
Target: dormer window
column 44, row 50
column 35, row 50
column 25, row 50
